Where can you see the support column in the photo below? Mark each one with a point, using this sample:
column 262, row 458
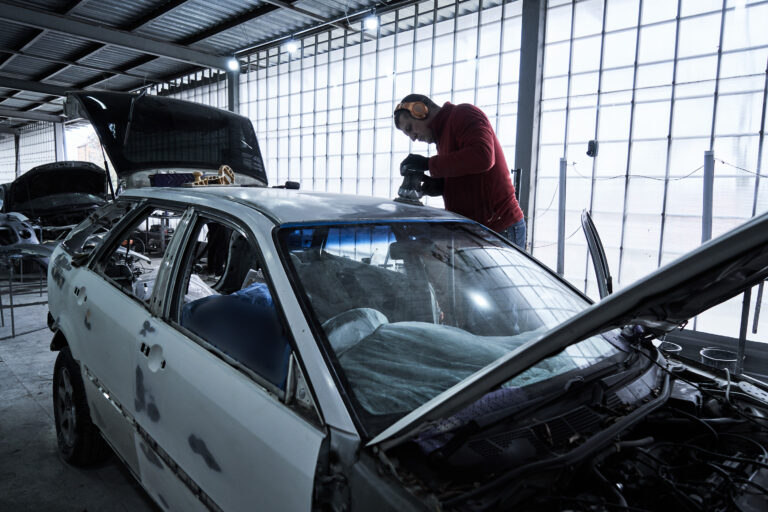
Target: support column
column 561, row 219
column 528, row 98
column 59, row 142
column 233, row 91
column 17, row 160
column 706, row 211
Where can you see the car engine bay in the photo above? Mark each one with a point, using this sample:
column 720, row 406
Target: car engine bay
column 676, row 435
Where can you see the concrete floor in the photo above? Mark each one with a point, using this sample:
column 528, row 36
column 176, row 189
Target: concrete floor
column 32, row 476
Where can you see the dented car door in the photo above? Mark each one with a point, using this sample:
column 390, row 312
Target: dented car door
column 221, row 426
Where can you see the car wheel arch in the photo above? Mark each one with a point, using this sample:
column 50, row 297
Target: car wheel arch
column 59, row 341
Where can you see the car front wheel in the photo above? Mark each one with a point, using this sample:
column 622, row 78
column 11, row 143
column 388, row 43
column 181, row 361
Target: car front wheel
column 78, row 438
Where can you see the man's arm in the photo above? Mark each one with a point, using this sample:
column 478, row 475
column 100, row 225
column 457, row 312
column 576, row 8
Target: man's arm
column 476, row 147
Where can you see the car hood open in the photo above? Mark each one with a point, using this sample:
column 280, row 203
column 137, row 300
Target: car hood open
column 146, row 133
column 660, row 302
column 78, row 181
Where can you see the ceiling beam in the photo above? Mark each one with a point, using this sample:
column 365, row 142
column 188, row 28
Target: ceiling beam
column 316, row 17
column 38, row 87
column 69, row 63
column 231, row 23
column 30, row 116
column 31, row 40
column 195, row 38
column 130, row 27
column 8, row 130
column 107, row 35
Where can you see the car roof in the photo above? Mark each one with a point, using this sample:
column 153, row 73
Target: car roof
column 285, row 206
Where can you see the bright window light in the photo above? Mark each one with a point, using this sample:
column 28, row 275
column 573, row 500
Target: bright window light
column 371, row 22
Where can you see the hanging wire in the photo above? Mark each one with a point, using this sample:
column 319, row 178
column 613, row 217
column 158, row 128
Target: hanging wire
column 741, row 168
column 536, row 217
column 618, row 176
column 555, row 243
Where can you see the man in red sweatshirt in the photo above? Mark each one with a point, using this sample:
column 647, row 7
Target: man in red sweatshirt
column 469, row 170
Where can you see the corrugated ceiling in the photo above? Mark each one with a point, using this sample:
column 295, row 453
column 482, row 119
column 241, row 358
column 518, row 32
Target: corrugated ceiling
column 63, row 54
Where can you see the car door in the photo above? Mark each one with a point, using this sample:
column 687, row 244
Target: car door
column 215, row 372
column 112, row 297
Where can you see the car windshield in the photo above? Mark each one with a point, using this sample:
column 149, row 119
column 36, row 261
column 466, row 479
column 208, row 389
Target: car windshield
column 409, row 309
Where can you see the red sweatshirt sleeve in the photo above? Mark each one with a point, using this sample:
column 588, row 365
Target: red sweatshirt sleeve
column 474, row 152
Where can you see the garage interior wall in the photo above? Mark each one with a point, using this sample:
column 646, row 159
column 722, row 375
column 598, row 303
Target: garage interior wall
column 7, row 158
column 36, row 146
column 646, row 80
column 655, row 82
column 324, row 113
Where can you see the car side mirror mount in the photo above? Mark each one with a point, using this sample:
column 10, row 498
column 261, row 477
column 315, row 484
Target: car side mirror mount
column 296, row 389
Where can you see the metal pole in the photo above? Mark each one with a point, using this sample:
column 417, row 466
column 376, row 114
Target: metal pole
column 706, row 212
column 743, row 331
column 529, row 96
column 759, row 300
column 10, row 297
column 60, row 146
column 233, row 91
column 561, row 219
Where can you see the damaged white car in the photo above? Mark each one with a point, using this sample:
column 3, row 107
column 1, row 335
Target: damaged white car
column 290, row 350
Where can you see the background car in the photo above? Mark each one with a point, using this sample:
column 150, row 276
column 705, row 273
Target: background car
column 57, row 195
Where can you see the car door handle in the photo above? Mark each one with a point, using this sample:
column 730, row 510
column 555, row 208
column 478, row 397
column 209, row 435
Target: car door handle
column 79, row 292
column 154, row 355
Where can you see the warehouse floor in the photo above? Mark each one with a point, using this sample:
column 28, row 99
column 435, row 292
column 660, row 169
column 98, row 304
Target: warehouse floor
column 32, row 476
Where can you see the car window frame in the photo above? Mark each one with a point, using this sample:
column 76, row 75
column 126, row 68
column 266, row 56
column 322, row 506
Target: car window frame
column 88, row 259
column 178, row 277
column 143, row 208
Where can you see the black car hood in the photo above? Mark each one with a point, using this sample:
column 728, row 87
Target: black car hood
column 56, row 185
column 660, row 302
column 145, row 133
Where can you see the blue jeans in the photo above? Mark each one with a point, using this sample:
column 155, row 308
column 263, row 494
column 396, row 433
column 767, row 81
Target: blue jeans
column 515, row 233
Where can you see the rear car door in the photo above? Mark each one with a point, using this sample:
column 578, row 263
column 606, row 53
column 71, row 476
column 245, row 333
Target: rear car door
column 215, row 370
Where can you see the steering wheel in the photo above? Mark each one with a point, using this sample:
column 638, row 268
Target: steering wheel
column 348, row 328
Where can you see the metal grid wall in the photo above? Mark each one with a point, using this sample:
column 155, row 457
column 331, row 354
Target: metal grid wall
column 36, row 145
column 7, row 158
column 657, row 83
column 208, row 86
column 324, row 114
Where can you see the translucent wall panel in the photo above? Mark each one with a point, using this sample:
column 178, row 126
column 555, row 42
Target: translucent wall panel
column 36, row 145
column 323, row 114
column 7, row 158
column 656, row 88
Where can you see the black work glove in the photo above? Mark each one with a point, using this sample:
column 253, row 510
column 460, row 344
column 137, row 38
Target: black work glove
column 413, row 163
column 411, row 186
column 432, row 186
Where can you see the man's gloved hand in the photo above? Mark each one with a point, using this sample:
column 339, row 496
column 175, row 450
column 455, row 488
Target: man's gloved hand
column 411, row 186
column 432, row 186
column 414, row 163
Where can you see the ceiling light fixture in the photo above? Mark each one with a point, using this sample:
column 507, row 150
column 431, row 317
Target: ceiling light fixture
column 233, row 64
column 371, row 22
column 292, row 46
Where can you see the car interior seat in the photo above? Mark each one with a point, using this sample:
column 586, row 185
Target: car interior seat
column 240, row 259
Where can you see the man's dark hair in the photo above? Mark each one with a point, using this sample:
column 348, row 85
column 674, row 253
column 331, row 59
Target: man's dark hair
column 431, row 105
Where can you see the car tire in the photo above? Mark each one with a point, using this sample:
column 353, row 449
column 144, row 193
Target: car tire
column 79, row 441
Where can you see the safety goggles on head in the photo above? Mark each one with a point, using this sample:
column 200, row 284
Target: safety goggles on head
column 417, row 109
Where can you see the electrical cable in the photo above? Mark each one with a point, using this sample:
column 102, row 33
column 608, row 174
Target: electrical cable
column 715, row 454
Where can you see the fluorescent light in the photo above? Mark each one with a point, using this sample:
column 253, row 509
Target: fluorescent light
column 371, row 22
column 291, row 46
column 233, row 64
